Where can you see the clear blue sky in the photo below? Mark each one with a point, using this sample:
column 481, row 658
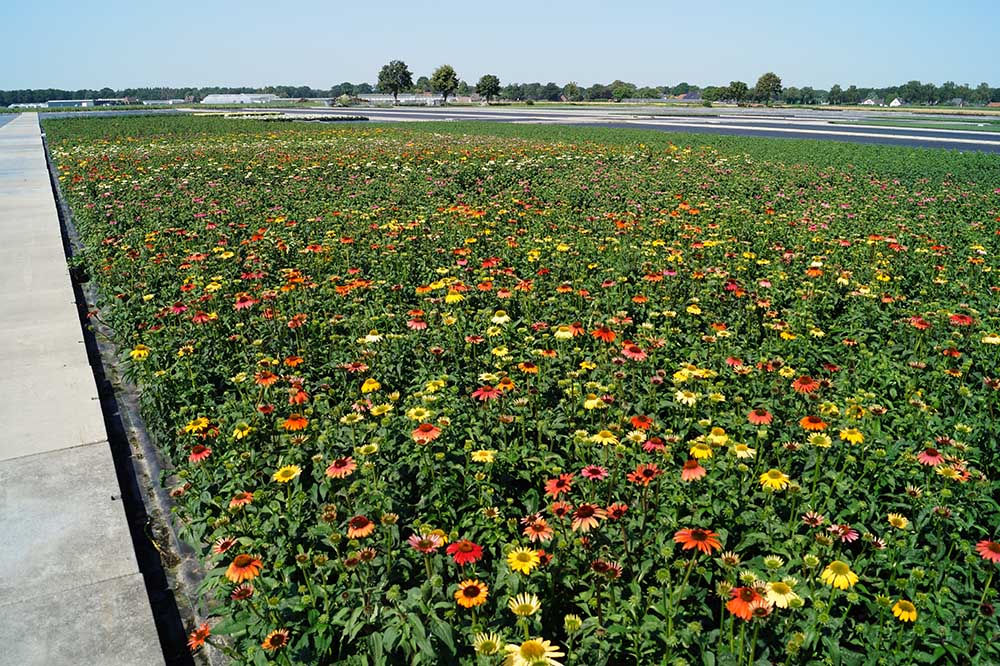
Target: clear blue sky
column 131, row 43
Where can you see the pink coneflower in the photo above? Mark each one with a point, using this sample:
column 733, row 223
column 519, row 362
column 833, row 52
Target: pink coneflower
column 594, row 473
column 931, row 457
column 485, row 393
column 425, row 543
column 561, row 509
column 633, row 352
column 222, row 544
column 244, row 301
column 465, row 552
column 586, row 517
column 199, row 452
column 845, row 533
column 988, row 550
column 341, row 468
column 653, row 444
column 813, row 519
column 416, row 324
column 692, row 471
column 354, row 367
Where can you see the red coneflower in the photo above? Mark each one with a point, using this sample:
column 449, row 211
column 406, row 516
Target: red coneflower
column 812, row 423
column 641, row 422
column 759, row 416
column 692, row 470
column 265, row 378
column 703, row 540
column 931, row 457
column 989, row 550
column 559, row 485
column 359, row 527
column 198, row 637
column 805, row 384
column 198, row 453
column 341, row 468
column 465, row 552
column 919, row 323
column 741, row 600
column 485, row 393
column 653, row 444
column 243, row 301
column 644, row 474
column 295, row 422
column 276, row 640
column 425, row 433
column 244, row 567
column 960, row 320
column 586, row 517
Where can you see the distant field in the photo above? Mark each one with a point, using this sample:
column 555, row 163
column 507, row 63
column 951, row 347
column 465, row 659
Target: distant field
column 985, row 125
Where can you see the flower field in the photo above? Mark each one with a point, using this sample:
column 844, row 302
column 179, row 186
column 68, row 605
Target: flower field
column 559, row 396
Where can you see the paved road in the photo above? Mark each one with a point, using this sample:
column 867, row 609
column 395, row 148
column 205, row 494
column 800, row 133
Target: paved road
column 780, row 123
column 6, row 118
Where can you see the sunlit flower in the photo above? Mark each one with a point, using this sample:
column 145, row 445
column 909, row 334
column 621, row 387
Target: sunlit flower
column 276, row 640
column 692, row 470
column 483, row 455
column 523, row 560
column 759, row 416
column 930, row 456
column 905, row 611
column 704, row 540
column 852, row 435
column 839, row 575
column 471, row 593
column 287, row 473
column 780, row 594
column 774, row 479
column 989, row 550
column 812, row 423
column 898, row 521
column 465, row 552
column 198, row 637
column 524, row 605
column 359, row 527
column 244, row 567
column 587, row 516
column 533, row 652
column 341, row 468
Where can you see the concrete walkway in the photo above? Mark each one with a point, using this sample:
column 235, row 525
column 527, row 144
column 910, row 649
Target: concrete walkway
column 70, row 589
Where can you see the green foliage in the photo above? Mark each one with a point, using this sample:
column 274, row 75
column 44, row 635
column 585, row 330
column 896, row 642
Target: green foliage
column 768, row 87
column 444, row 81
column 395, row 77
column 488, row 87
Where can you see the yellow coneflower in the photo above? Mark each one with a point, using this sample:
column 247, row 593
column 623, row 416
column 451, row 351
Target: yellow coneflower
column 700, row 450
column 905, row 611
column 839, row 575
column 533, row 652
column 139, row 352
column 483, row 455
column 523, row 560
column 774, row 479
column 898, row 521
column 780, row 594
column 486, row 644
column 852, row 435
column 287, row 473
column 524, row 605
column 604, row 437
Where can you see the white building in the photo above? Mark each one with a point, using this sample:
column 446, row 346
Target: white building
column 159, row 102
column 417, row 99
column 241, row 98
column 896, row 102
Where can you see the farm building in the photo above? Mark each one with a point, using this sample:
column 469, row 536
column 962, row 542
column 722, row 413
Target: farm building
column 241, row 98
column 896, row 102
column 419, row 99
column 59, row 103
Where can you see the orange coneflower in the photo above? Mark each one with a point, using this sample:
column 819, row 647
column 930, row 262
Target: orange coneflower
column 244, row 567
column 633, row 352
column 604, row 334
column 741, row 601
column 641, row 422
column 617, row 511
column 198, row 637
column 586, row 517
column 805, row 384
column 198, row 453
column 644, row 474
column 988, row 550
column 276, row 640
column 471, row 593
column 528, row 368
column 240, row 499
column 703, row 540
column 812, row 423
column 425, row 433
column 295, row 422
column 559, row 485
column 341, row 468
column 759, row 416
column 359, row 527
column 692, row 471
column 537, row 529
column 242, row 592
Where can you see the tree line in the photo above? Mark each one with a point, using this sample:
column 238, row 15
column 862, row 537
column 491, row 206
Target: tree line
column 396, row 78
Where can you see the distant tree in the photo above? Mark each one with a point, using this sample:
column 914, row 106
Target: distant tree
column 423, row 84
column 621, row 90
column 551, row 92
column 363, row 89
column 444, row 81
column 851, row 96
column 836, row 94
column 463, row 88
column 737, row 91
column 598, row 92
column 768, row 87
column 808, row 95
column 981, row 95
column 394, row 78
column 571, row 91
column 710, row 93
column 648, row 93
column 488, row 87
column 681, row 88
column 792, row 95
